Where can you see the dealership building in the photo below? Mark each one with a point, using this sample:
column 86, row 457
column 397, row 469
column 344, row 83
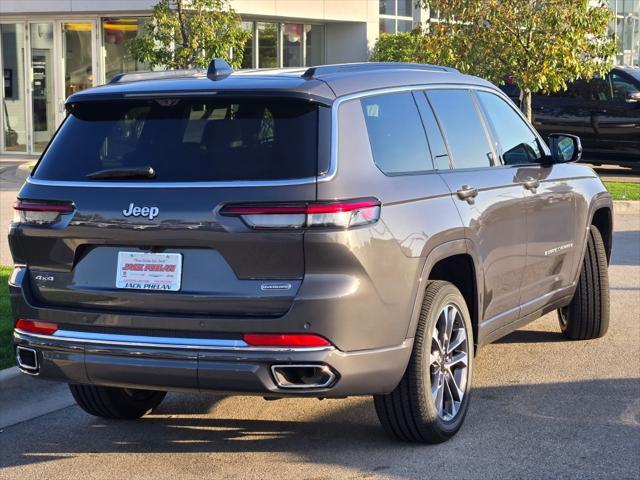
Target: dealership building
column 50, row 49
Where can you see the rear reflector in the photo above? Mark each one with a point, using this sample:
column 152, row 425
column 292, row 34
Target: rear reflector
column 285, row 340
column 39, row 213
column 342, row 214
column 33, row 326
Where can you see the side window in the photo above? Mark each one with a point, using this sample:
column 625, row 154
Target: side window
column 397, row 138
column 578, row 89
column 462, row 127
column 623, row 89
column 436, row 142
column 519, row 144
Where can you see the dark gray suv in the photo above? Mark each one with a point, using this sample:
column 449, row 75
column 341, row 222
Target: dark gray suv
column 346, row 230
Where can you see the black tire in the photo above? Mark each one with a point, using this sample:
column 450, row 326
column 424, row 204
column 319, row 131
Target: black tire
column 587, row 316
column 117, row 403
column 409, row 412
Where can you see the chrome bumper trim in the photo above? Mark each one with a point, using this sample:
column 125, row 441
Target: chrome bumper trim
column 162, row 342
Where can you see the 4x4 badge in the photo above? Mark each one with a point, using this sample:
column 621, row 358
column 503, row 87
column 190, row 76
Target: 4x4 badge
column 133, row 211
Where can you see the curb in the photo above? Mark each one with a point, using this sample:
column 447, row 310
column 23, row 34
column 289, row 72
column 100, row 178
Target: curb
column 626, row 207
column 9, row 373
column 24, row 170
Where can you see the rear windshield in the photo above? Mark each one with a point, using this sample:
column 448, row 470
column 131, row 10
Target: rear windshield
column 187, row 140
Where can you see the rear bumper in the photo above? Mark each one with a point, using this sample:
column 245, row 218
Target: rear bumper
column 161, row 364
column 91, row 348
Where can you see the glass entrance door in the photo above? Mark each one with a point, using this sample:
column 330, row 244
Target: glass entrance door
column 42, row 85
column 13, row 113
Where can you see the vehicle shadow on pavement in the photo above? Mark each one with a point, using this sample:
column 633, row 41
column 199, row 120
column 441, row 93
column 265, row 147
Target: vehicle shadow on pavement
column 532, row 336
column 542, row 426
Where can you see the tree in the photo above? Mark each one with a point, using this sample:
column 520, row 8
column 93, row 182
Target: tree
column 399, row 47
column 189, row 34
column 539, row 44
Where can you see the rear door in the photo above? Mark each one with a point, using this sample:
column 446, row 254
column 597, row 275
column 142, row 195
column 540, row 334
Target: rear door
column 551, row 219
column 565, row 111
column 616, row 118
column 160, row 244
column 490, row 202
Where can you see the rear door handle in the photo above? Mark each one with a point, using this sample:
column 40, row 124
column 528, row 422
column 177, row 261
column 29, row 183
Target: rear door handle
column 531, row 184
column 467, row 193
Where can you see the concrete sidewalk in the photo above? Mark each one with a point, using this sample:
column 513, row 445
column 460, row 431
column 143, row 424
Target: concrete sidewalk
column 23, row 398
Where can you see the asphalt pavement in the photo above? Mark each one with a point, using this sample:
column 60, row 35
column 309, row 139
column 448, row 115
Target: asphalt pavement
column 542, row 407
column 614, row 173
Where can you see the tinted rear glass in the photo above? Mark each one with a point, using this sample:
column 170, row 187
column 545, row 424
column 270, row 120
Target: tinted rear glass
column 462, row 128
column 187, row 140
column 397, row 137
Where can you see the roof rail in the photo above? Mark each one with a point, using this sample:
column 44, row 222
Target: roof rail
column 156, row 75
column 218, row 69
column 314, row 72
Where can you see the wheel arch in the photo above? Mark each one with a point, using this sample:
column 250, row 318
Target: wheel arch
column 454, row 262
column 602, row 219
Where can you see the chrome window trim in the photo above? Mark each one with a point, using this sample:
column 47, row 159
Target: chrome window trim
column 161, row 342
column 325, row 177
column 253, row 183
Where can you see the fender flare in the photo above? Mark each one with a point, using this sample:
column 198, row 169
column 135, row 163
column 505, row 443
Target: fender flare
column 441, row 252
column 601, row 200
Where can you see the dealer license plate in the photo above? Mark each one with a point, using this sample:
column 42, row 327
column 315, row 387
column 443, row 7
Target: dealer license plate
column 149, row 271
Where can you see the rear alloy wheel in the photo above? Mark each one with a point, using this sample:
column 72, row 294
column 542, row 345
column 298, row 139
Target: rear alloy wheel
column 431, row 401
column 448, row 361
column 587, row 316
column 118, row 403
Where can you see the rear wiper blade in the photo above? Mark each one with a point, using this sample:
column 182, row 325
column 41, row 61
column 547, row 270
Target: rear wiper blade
column 123, row 173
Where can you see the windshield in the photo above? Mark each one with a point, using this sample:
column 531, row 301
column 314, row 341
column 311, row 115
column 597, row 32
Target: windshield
column 186, row 140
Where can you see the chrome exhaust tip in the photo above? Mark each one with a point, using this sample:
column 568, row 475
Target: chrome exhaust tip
column 303, row 376
column 27, row 359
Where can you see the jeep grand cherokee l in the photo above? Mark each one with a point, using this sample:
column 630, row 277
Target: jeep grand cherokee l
column 342, row 230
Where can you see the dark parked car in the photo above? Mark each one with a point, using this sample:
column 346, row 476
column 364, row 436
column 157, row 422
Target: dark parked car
column 342, row 230
column 604, row 112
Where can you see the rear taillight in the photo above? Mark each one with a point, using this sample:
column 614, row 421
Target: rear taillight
column 293, row 340
column 39, row 213
column 34, row 326
column 341, row 214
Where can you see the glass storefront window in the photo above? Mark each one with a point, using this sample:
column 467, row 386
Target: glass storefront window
column 405, row 8
column 387, row 25
column 116, row 32
column 388, row 7
column 314, row 45
column 247, row 56
column 405, row 25
column 14, row 91
column 267, row 45
column 78, row 56
column 291, row 45
column 42, row 101
column 396, row 16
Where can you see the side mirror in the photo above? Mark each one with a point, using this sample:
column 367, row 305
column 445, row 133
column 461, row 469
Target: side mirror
column 565, row 148
column 633, row 97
